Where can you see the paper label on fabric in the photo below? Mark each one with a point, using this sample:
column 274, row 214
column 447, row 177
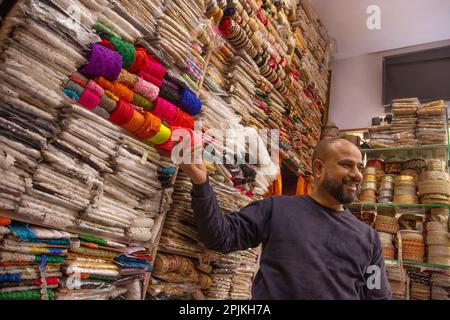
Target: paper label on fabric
column 144, row 157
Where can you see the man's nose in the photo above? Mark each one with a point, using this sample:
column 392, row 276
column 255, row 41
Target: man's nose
column 356, row 174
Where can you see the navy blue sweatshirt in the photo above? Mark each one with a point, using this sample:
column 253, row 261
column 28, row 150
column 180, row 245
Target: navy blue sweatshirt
column 309, row 251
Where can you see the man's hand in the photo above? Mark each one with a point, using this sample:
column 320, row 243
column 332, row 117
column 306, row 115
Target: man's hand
column 196, row 170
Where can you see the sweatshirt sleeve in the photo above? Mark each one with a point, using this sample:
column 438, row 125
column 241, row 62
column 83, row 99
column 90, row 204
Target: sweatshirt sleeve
column 377, row 285
column 229, row 232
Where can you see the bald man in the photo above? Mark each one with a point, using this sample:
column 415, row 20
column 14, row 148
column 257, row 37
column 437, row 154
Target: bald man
column 312, row 246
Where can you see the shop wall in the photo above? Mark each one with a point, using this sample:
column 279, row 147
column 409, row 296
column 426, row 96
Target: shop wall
column 356, row 87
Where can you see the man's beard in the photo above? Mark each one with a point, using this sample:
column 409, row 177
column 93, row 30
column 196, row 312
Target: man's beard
column 336, row 188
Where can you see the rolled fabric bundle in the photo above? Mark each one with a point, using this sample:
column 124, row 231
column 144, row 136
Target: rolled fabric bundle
column 126, row 51
column 140, row 61
column 107, row 103
column 436, row 165
column 148, row 77
column 437, row 238
column 169, row 93
column 161, row 137
column 164, row 110
column 122, row 114
column 183, row 120
column 436, row 226
column 102, row 62
column 127, row 78
column 147, row 89
column 89, row 100
column 95, row 88
column 189, row 102
column 139, row 234
column 101, row 112
column 154, row 68
column 369, row 185
column 135, row 123
column 118, row 89
column 150, row 127
column 142, row 102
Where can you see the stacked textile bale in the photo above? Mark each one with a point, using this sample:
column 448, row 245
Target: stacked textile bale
column 438, row 238
column 404, row 121
column 413, row 246
column 420, row 285
column 90, row 271
column 397, row 277
column 369, row 185
column 386, row 189
column 177, row 269
column 381, row 136
column 434, row 185
column 405, row 189
column 30, row 260
column 440, row 285
column 179, row 237
column 431, row 125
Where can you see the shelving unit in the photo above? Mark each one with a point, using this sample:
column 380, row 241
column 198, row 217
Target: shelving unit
column 399, row 155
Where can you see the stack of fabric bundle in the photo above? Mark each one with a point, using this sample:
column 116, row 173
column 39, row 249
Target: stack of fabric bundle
column 381, row 136
column 180, row 238
column 369, row 185
column 405, row 189
column 440, row 285
column 404, row 121
column 30, row 260
column 386, row 188
column 431, row 127
column 89, row 269
column 175, row 269
column 434, row 185
column 420, row 285
column 413, row 246
column 397, row 277
column 438, row 239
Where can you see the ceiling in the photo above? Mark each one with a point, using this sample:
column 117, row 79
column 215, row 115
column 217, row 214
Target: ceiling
column 404, row 23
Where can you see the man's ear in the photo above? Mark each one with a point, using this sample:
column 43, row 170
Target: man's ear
column 317, row 168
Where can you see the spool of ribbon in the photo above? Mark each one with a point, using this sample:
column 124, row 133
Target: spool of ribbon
column 140, row 62
column 102, row 62
column 107, row 44
column 154, row 68
column 136, row 122
column 189, row 102
column 150, row 127
column 183, row 120
column 88, row 99
column 147, row 89
column 118, row 89
column 165, row 110
column 77, row 80
column 142, row 102
column 122, row 114
column 75, row 87
column 126, row 50
column 95, row 88
column 71, row 94
column 169, row 93
column 101, row 112
column 148, row 77
column 100, row 28
column 107, row 103
column 127, row 78
column 162, row 136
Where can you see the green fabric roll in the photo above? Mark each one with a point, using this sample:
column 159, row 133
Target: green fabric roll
column 26, row 295
column 126, row 50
